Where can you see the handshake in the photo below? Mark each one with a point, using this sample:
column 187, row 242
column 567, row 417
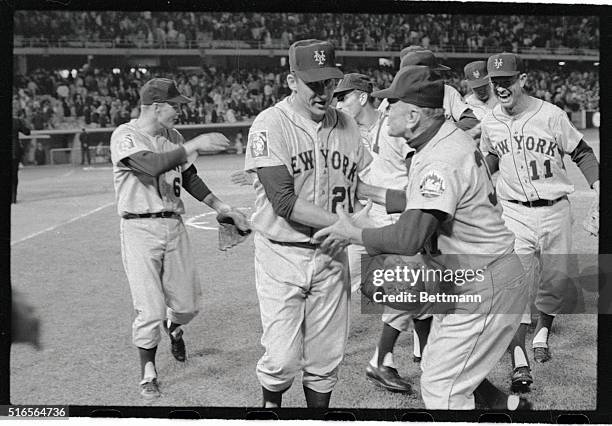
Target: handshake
column 208, row 142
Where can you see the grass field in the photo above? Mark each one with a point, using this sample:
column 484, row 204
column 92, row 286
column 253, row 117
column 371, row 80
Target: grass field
column 65, row 257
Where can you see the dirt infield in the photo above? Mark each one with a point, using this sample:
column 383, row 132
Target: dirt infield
column 65, row 257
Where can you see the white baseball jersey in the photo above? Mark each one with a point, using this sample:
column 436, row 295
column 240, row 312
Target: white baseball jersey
column 479, row 107
column 454, row 106
column 531, row 147
column 388, row 166
column 324, row 159
column 138, row 192
column 450, row 175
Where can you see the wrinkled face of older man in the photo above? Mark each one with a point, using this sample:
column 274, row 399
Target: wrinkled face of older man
column 403, row 119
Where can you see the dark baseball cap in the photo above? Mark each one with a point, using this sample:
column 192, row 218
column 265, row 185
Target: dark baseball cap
column 423, row 57
column 408, row 49
column 354, row 81
column 504, row 65
column 476, row 74
column 161, row 90
column 313, row 60
column 414, row 84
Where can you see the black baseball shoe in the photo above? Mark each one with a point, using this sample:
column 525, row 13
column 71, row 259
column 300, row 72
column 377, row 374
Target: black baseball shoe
column 177, row 344
column 521, row 379
column 541, row 355
column 388, row 378
column 149, row 389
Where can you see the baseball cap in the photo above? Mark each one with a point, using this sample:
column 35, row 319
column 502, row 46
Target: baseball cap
column 354, row 81
column 408, row 49
column 504, row 65
column 414, row 84
column 161, row 90
column 423, row 57
column 476, row 74
column 313, row 60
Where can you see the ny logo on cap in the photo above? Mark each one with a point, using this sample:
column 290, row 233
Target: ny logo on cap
column 319, row 56
column 476, row 74
column 499, row 63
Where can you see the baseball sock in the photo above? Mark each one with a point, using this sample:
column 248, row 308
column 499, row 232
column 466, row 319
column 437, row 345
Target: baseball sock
column 147, row 361
column 421, row 333
column 540, row 339
column 517, row 348
column 271, row 399
column 388, row 337
column 316, row 399
column 491, row 395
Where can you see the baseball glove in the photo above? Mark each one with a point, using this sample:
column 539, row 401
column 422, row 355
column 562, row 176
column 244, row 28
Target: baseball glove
column 591, row 222
column 234, row 228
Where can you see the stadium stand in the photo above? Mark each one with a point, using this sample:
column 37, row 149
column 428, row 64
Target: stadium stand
column 444, row 32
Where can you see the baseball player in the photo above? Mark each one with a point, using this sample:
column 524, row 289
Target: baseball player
column 306, row 157
column 480, row 100
column 151, row 163
column 450, row 194
column 394, row 323
column 388, row 169
column 527, row 139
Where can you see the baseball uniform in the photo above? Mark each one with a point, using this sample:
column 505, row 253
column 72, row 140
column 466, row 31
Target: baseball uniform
column 531, row 148
column 454, row 106
column 156, row 255
column 449, row 175
column 303, row 293
column 480, row 108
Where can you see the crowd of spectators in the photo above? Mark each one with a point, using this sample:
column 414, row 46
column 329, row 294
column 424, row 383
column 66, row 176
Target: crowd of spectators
column 91, row 97
column 386, row 32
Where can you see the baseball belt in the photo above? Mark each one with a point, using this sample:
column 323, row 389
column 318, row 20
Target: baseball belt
column 537, row 203
column 164, row 215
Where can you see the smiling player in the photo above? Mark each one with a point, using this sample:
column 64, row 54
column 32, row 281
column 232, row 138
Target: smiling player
column 527, row 139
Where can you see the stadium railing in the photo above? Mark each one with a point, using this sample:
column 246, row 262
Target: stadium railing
column 391, row 50
column 63, row 145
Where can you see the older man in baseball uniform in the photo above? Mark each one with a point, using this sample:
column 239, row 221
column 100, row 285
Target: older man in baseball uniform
column 527, row 139
column 450, row 194
column 383, row 372
column 306, row 158
column 481, row 100
column 151, row 163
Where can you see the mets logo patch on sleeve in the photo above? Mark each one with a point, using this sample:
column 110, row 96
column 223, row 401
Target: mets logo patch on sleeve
column 258, row 141
column 432, row 185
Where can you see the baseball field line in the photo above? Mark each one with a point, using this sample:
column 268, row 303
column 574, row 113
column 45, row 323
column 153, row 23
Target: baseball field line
column 52, row 228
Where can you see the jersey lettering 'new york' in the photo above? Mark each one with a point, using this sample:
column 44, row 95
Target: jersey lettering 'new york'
column 138, row 192
column 323, row 158
column 480, row 108
column 531, row 148
column 449, row 174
